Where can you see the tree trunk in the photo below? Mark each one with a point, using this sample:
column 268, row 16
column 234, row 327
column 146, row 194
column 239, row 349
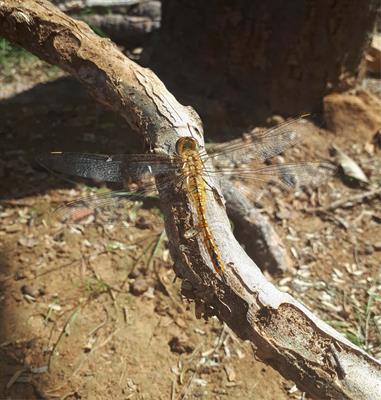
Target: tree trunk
column 242, row 61
column 286, row 334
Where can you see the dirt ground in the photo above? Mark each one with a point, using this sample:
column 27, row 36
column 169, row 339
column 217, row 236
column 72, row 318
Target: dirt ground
column 93, row 312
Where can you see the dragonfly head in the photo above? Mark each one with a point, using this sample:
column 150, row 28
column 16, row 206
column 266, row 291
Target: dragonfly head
column 186, row 144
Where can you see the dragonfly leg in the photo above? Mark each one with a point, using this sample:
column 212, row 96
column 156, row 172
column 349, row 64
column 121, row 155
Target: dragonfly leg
column 217, row 195
column 196, row 230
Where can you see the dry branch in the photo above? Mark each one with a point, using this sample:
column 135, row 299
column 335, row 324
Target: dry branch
column 287, row 335
column 70, row 5
column 348, row 202
column 255, row 232
column 123, row 28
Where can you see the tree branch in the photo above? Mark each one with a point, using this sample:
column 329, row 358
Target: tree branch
column 131, row 30
column 287, row 335
column 70, row 5
column 255, row 231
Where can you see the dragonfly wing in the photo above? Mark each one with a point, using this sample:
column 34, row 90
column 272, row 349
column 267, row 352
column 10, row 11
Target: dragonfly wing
column 106, row 207
column 288, row 176
column 91, row 166
column 103, row 207
column 260, row 146
column 115, row 168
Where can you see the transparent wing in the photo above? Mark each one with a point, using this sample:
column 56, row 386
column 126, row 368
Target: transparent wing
column 288, row 176
column 110, row 206
column 102, row 208
column 115, row 168
column 91, row 166
column 259, row 146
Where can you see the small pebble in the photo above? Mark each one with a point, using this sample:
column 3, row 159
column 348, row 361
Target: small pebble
column 180, row 322
column 368, row 249
column 143, row 223
column 134, row 273
column 28, row 242
column 32, row 291
column 20, row 274
column 12, row 228
column 180, row 345
column 29, row 290
column 283, row 214
column 377, row 138
column 377, row 246
column 139, row 287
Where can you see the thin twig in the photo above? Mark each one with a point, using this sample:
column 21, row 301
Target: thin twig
column 173, row 389
column 93, row 350
column 101, row 325
column 156, row 248
column 14, row 377
column 184, row 395
column 348, row 202
column 142, row 254
column 64, row 331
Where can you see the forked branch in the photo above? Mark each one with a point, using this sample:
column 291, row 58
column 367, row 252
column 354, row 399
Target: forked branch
column 287, row 335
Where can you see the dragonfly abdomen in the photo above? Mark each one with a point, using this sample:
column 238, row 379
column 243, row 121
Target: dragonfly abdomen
column 197, row 188
column 212, row 249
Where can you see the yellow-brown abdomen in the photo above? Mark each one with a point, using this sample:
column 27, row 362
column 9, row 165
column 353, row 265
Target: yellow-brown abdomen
column 205, row 230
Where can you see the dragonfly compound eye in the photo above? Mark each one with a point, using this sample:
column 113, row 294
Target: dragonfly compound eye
column 185, row 144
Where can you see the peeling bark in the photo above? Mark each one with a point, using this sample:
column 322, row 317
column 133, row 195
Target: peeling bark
column 287, row 335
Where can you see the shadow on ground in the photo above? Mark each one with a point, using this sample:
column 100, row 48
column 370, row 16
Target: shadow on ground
column 58, row 116
column 55, row 116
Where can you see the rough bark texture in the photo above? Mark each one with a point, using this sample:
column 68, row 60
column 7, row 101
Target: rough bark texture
column 246, row 60
column 287, row 335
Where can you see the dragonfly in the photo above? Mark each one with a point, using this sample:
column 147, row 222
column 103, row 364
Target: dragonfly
column 190, row 169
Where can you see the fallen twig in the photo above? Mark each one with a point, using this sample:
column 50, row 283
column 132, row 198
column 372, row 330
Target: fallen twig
column 101, row 325
column 348, row 202
column 95, row 348
column 187, row 389
column 74, row 5
column 127, row 30
column 15, row 376
column 65, row 331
